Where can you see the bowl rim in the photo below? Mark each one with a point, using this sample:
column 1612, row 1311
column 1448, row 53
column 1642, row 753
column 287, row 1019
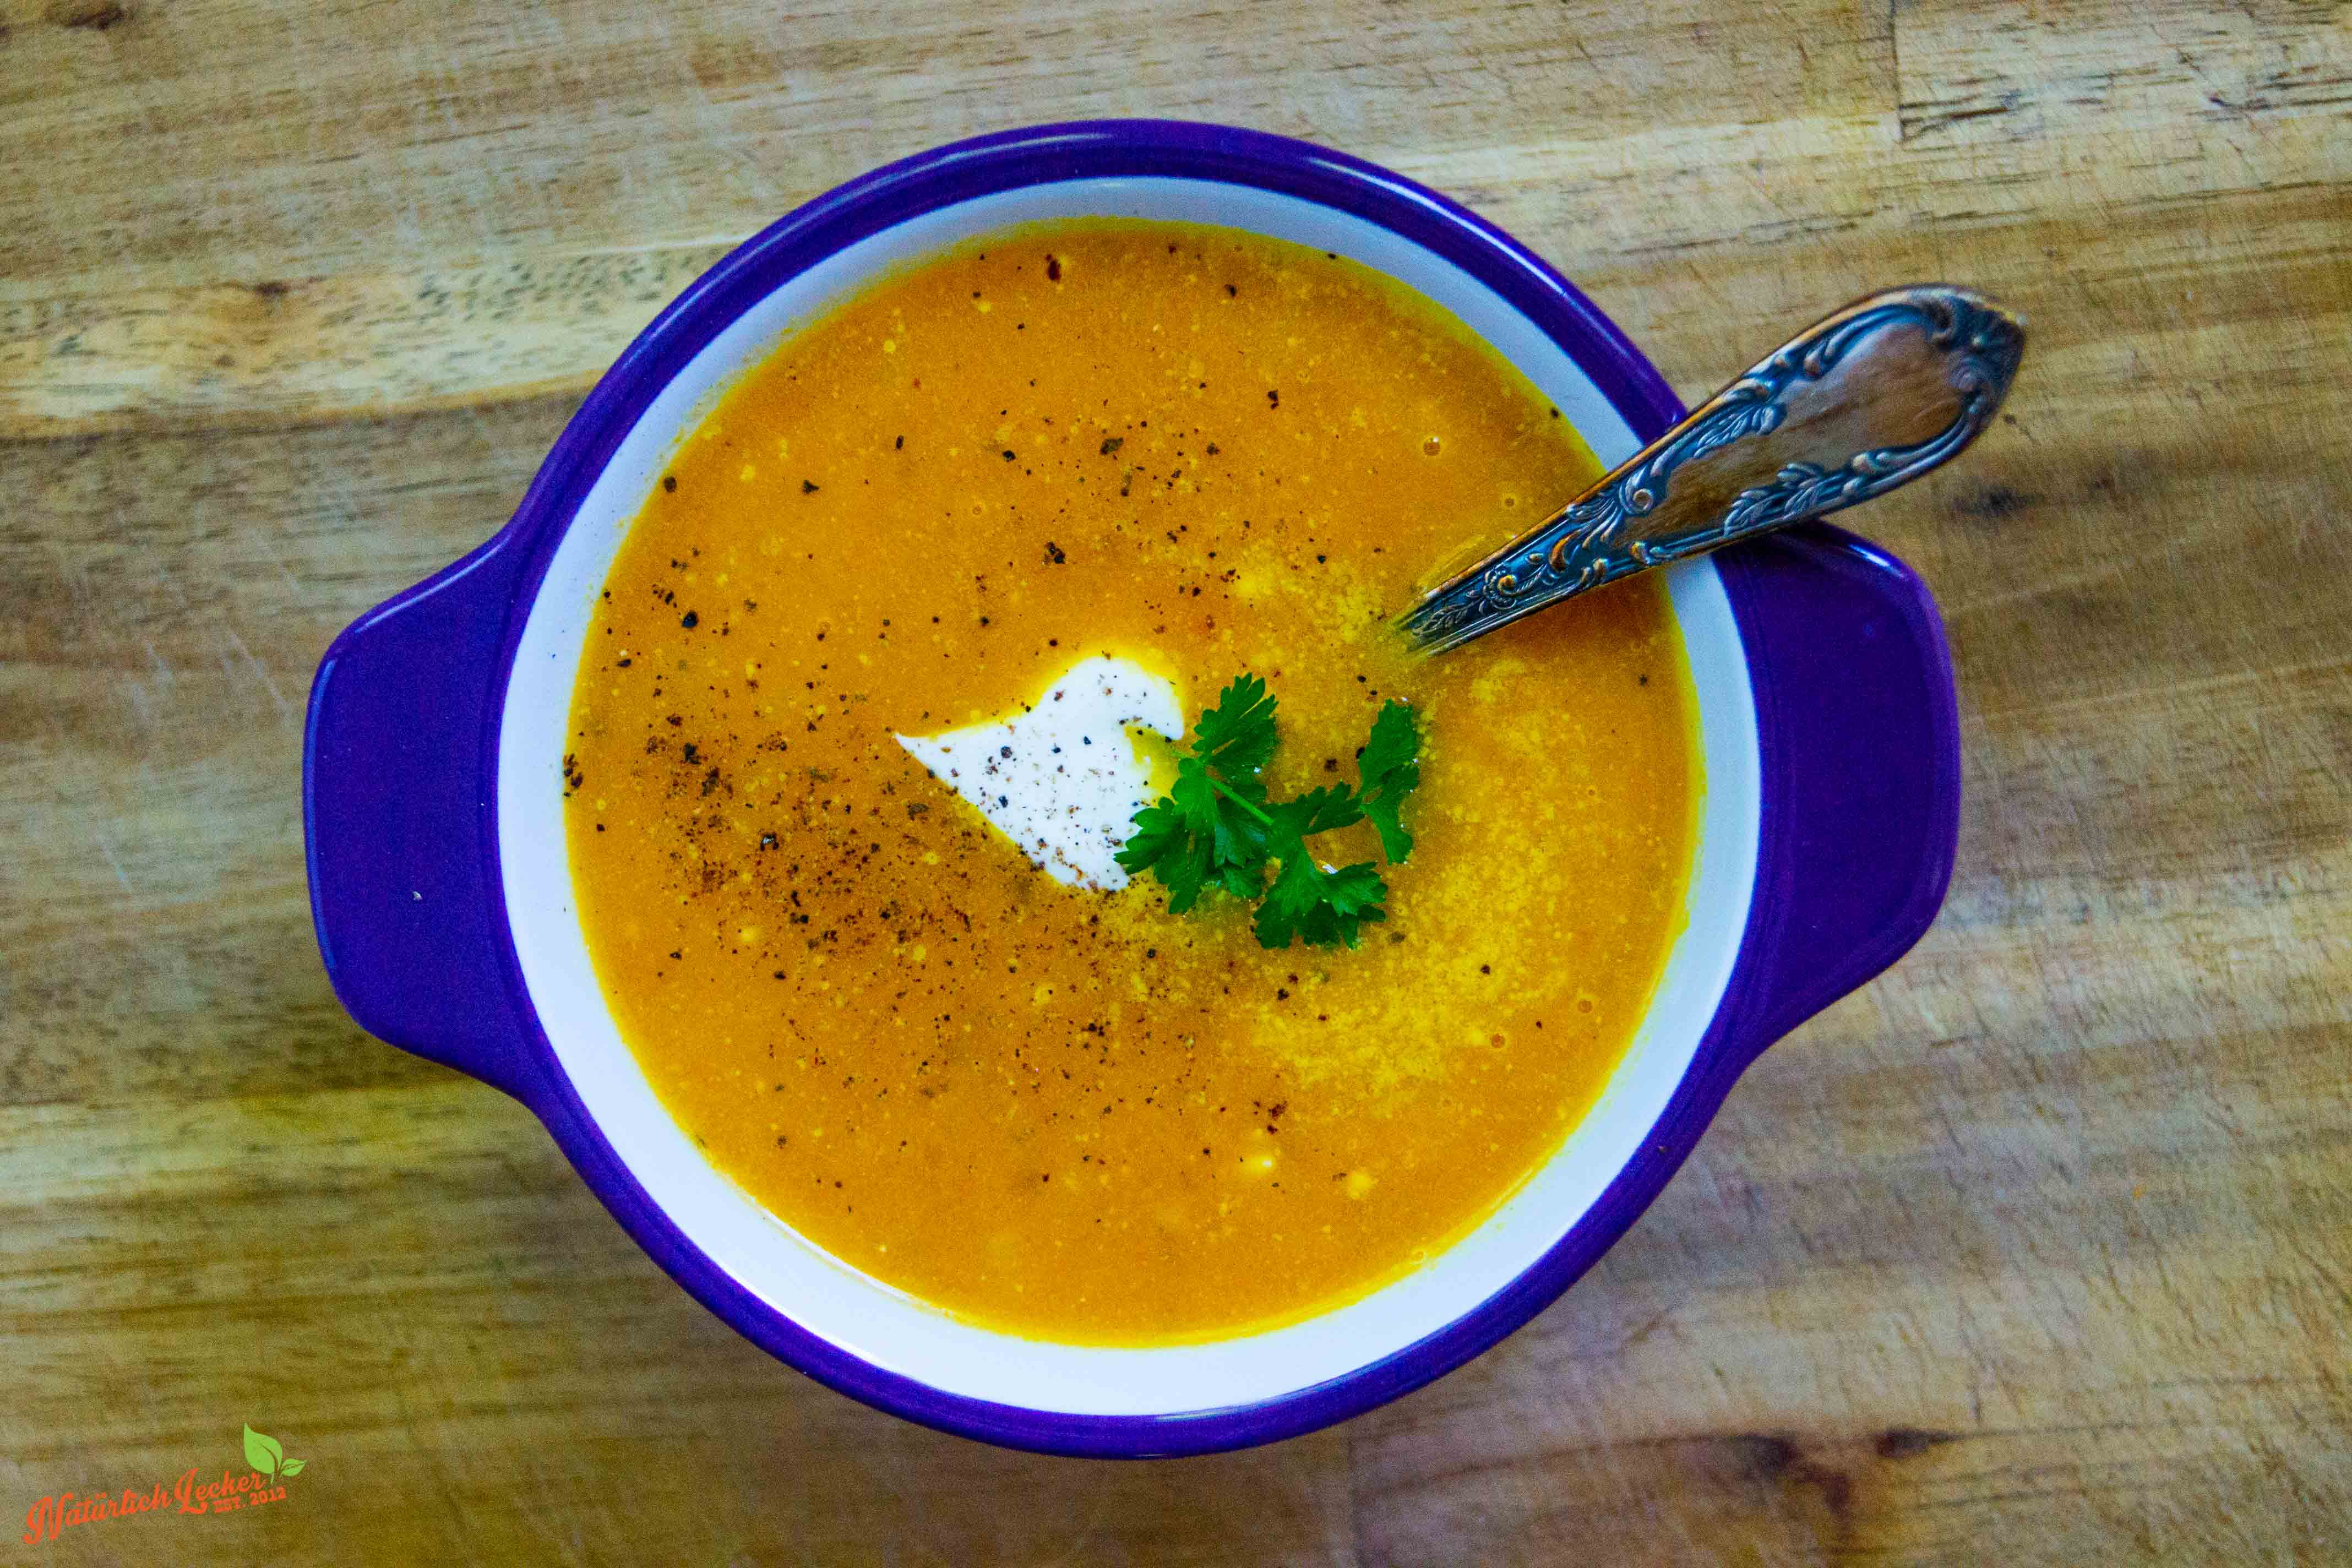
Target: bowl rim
column 1743, row 1018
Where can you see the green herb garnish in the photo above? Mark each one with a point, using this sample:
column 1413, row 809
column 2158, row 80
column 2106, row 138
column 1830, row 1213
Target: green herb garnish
column 1217, row 828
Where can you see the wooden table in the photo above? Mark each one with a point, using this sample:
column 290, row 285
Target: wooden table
column 2035, row 1250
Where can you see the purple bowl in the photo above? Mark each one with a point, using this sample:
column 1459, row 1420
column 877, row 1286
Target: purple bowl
column 1833, row 755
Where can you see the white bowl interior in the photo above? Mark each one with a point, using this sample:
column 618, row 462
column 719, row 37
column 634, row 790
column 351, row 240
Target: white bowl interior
column 875, row 1321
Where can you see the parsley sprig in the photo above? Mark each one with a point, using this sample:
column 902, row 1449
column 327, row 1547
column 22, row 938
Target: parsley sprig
column 1217, row 827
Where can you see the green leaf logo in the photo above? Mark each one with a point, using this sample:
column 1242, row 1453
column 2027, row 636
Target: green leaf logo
column 290, row 1467
column 263, row 1452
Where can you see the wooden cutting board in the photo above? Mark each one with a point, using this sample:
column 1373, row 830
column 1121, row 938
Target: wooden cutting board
column 2035, row 1250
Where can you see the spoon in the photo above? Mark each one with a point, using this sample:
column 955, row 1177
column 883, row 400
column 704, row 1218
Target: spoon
column 1870, row 398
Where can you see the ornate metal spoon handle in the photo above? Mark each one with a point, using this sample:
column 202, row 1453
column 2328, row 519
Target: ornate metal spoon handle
column 1877, row 394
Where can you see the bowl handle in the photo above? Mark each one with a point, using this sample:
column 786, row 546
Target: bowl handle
column 1858, row 728
column 395, row 802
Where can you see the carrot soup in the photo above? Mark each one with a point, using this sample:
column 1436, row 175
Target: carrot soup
column 972, row 1064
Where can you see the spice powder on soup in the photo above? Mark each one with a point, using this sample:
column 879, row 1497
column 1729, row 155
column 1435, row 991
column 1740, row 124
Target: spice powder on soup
column 1061, row 1111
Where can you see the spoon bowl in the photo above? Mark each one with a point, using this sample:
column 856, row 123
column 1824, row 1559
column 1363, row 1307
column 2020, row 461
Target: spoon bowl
column 434, row 801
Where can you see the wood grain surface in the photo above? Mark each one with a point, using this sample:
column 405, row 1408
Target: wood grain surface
column 2038, row 1249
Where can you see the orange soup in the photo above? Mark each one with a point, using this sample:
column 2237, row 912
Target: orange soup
column 1061, row 1111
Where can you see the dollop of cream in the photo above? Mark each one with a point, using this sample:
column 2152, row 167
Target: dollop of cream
column 1062, row 780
